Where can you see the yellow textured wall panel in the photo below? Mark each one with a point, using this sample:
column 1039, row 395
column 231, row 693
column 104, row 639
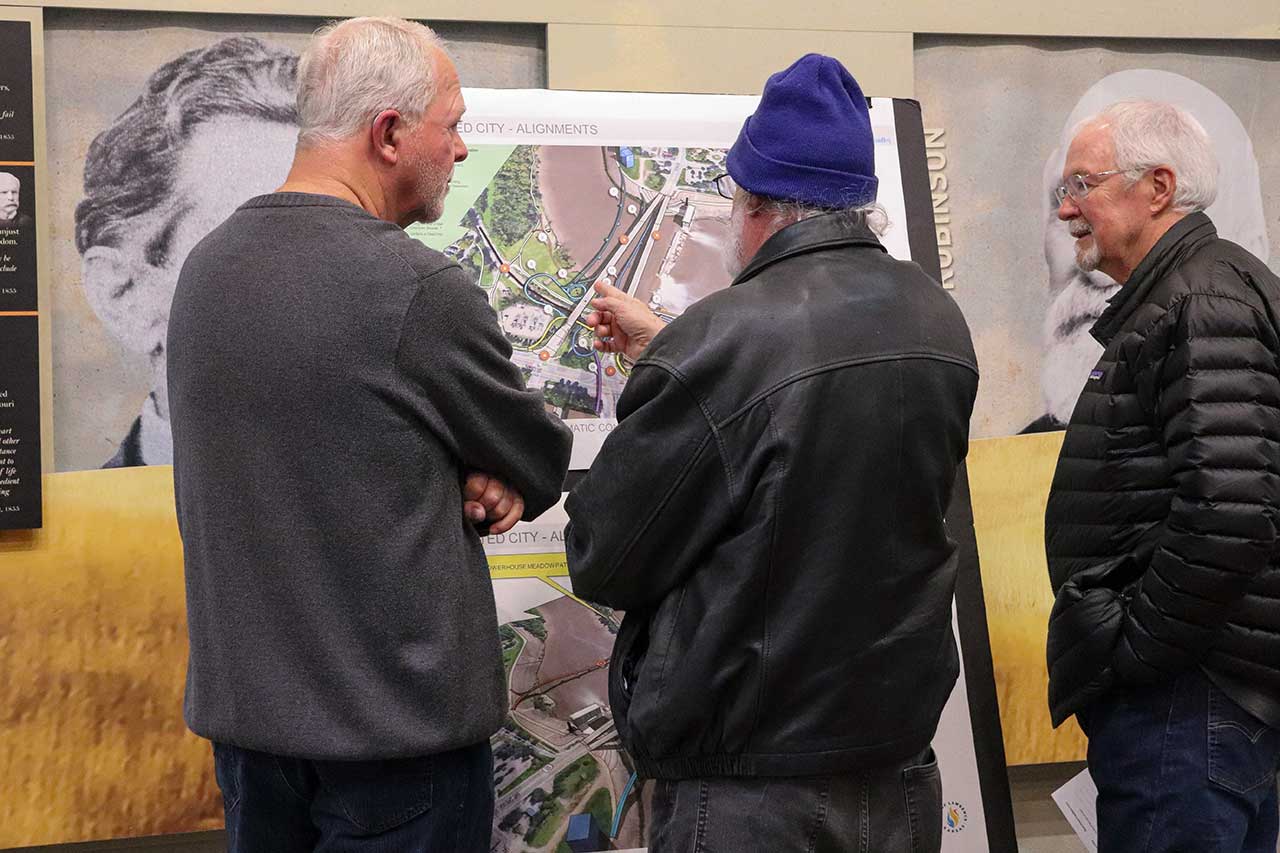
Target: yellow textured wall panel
column 93, row 651
column 1009, row 484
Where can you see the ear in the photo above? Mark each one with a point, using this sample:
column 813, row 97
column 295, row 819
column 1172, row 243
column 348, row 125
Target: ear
column 754, row 206
column 106, row 274
column 385, row 136
column 1164, row 183
column 110, row 285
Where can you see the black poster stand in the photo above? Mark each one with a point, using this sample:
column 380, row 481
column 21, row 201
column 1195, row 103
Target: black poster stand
column 20, row 472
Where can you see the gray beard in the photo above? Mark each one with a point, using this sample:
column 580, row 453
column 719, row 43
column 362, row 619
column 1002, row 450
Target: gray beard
column 731, row 249
column 1089, row 260
column 432, row 187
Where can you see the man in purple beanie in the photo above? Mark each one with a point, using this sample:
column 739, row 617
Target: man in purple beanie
column 769, row 510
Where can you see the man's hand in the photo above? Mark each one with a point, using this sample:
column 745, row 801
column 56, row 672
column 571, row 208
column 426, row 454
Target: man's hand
column 485, row 498
column 622, row 323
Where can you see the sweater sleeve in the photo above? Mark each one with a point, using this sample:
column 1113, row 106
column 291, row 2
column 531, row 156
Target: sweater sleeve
column 655, row 498
column 454, row 355
column 1218, row 403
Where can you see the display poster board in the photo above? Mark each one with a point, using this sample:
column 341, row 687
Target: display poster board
column 20, row 467
column 562, row 189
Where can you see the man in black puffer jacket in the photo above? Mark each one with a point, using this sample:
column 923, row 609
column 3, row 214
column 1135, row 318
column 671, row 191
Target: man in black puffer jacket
column 769, row 510
column 1161, row 524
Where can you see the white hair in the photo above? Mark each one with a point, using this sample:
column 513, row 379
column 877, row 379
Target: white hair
column 352, row 70
column 785, row 212
column 1147, row 134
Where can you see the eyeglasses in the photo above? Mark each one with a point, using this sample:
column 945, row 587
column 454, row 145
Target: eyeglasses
column 726, row 186
column 1078, row 186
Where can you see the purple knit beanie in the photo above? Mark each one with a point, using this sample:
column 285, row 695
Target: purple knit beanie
column 810, row 139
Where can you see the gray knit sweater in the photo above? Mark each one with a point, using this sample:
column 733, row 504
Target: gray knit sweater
column 331, row 380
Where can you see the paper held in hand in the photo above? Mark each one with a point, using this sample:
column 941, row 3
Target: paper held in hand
column 1078, row 801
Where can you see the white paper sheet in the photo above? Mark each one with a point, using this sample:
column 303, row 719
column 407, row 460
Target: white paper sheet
column 1078, row 801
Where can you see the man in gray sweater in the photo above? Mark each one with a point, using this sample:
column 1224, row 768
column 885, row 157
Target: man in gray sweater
column 333, row 384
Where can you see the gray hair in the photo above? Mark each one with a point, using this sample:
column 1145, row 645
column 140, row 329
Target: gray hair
column 354, row 69
column 785, row 212
column 1147, row 134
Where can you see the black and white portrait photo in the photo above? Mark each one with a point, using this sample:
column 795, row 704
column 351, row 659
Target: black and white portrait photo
column 1079, row 296
column 160, row 125
column 1002, row 144
column 213, row 127
column 12, row 213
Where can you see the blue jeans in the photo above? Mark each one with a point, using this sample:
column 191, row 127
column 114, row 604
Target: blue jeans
column 436, row 804
column 1180, row 768
column 896, row 809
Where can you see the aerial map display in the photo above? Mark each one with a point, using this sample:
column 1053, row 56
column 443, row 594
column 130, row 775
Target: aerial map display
column 541, row 210
column 554, row 219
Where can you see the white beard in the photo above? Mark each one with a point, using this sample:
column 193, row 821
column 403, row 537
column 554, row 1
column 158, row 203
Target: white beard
column 731, row 249
column 1071, row 354
column 1089, row 259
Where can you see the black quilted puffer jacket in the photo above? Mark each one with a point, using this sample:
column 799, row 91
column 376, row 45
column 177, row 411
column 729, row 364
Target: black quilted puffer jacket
column 1161, row 527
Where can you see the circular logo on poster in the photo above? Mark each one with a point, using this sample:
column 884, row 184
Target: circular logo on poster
column 954, row 817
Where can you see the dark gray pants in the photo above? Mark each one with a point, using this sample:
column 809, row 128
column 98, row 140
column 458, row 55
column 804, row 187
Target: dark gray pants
column 895, row 809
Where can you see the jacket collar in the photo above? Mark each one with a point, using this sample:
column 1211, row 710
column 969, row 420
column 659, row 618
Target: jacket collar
column 1186, row 235
column 826, row 231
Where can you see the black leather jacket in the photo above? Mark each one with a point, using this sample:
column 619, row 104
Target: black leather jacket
column 769, row 512
column 1161, row 527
